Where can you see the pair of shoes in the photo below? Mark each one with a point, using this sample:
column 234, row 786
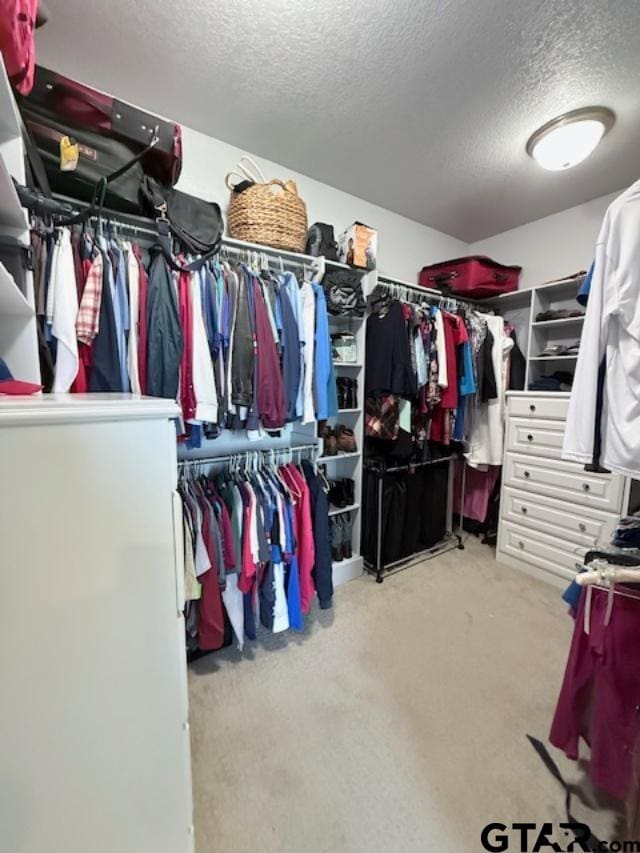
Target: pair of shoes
column 340, row 530
column 345, row 439
column 347, row 392
column 329, row 442
column 342, row 492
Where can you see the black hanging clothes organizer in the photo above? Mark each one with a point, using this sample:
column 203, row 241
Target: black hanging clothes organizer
column 405, row 519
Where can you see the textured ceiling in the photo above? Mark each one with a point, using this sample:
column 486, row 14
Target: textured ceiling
column 421, row 107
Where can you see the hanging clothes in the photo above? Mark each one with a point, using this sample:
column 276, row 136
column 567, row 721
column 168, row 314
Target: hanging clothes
column 165, row 333
column 259, row 551
column 600, row 693
column 487, row 439
column 62, row 310
column 610, row 344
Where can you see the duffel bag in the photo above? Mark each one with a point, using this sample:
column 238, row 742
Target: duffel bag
column 476, row 277
column 108, row 134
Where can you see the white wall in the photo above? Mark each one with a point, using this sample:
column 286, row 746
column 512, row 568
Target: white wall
column 404, row 246
column 552, row 247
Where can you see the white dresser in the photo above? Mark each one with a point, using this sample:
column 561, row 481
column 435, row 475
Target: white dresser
column 551, row 511
column 94, row 733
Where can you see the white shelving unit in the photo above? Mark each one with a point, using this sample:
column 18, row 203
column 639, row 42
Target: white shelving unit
column 18, row 330
column 350, row 464
column 522, row 307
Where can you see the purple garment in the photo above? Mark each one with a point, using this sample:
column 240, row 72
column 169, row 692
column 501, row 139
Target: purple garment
column 478, row 488
column 600, row 696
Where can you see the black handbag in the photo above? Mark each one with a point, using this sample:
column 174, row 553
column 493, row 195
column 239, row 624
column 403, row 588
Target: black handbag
column 195, row 223
column 343, row 293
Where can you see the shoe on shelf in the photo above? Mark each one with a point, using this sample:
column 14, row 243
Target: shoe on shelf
column 349, row 486
column 347, row 530
column 329, row 443
column 338, row 494
column 345, row 439
column 342, row 388
column 336, row 534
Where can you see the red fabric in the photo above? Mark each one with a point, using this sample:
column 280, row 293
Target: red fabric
column 187, row 394
column 304, row 534
column 600, row 694
column 441, row 424
column 248, row 570
column 142, row 321
column 451, row 340
column 211, row 625
column 82, row 269
column 17, row 387
column 17, row 44
column 270, row 388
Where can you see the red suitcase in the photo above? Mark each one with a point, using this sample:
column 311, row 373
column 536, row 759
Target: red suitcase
column 476, row 277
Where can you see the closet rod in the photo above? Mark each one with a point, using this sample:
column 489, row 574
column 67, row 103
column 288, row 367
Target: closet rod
column 427, row 293
column 228, row 244
column 216, row 460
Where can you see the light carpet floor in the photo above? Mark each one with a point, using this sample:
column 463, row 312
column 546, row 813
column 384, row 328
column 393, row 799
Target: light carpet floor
column 396, row 723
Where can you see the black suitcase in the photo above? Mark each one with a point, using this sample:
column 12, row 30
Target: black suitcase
column 110, row 134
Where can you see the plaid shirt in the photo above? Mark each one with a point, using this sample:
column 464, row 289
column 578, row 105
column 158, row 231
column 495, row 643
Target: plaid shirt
column 88, row 319
column 382, row 417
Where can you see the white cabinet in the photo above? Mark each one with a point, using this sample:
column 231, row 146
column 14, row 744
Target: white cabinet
column 551, row 511
column 94, row 736
column 18, row 329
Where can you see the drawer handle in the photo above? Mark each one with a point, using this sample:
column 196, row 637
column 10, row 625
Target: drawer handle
column 526, row 475
column 529, row 437
column 582, row 527
column 586, row 487
column 524, row 510
column 532, row 408
column 521, row 544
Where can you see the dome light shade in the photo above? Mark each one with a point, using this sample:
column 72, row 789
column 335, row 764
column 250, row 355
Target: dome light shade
column 569, row 139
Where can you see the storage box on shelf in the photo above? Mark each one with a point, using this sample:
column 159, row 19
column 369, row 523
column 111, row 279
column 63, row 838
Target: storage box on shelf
column 551, row 510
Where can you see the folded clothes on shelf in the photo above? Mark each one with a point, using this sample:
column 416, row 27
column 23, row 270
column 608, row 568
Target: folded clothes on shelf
column 557, row 314
column 555, row 350
column 561, row 380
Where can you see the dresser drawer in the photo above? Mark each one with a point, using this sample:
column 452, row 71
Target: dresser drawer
column 539, row 550
column 537, row 437
column 580, row 525
column 563, row 480
column 551, row 407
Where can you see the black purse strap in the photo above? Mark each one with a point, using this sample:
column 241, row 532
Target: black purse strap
column 164, row 245
column 39, row 176
column 552, row 767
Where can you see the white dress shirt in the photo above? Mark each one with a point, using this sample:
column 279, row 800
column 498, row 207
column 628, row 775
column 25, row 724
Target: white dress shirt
column 612, row 331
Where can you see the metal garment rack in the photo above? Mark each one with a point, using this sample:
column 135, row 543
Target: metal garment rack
column 453, row 539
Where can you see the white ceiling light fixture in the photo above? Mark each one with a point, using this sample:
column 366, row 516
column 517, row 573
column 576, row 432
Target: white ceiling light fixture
column 569, row 139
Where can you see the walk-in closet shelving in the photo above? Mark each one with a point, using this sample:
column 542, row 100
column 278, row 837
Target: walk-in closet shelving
column 350, row 464
column 18, row 331
column 522, row 307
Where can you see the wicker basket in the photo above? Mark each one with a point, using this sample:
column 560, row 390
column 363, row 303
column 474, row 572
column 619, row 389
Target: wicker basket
column 267, row 212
